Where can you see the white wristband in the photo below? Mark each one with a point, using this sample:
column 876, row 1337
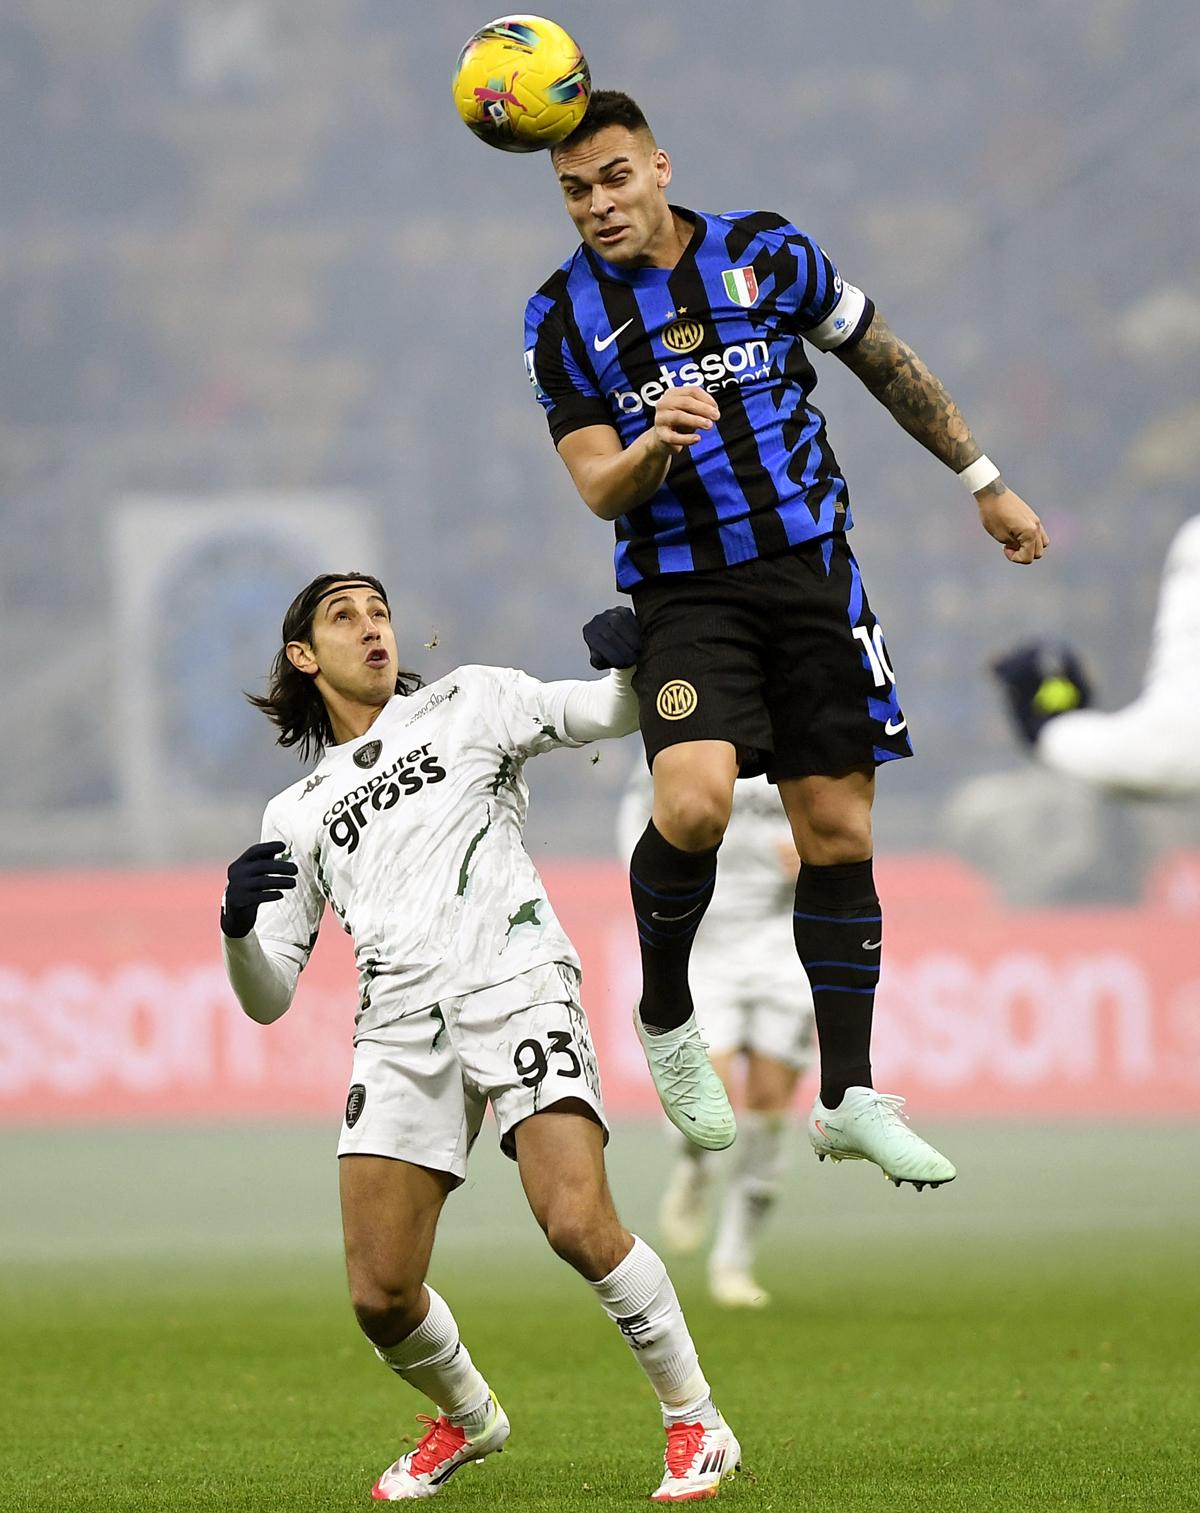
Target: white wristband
column 978, row 474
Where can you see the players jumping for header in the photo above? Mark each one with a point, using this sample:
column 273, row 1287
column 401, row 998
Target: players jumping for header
column 669, row 354
column 410, row 829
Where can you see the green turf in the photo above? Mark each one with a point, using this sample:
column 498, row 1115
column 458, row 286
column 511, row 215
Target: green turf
column 174, row 1334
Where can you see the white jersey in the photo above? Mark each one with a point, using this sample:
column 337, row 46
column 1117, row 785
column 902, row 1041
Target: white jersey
column 1151, row 747
column 756, row 866
column 413, row 835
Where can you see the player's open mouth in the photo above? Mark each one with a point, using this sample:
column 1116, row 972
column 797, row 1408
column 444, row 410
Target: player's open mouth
column 611, row 233
column 377, row 659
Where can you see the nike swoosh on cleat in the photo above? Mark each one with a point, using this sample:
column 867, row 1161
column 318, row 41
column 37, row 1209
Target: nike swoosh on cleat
column 611, row 337
column 672, row 919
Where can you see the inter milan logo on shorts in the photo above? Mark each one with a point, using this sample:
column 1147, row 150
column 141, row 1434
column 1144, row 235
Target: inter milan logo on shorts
column 355, row 1104
column 683, row 335
column 676, row 700
column 368, row 755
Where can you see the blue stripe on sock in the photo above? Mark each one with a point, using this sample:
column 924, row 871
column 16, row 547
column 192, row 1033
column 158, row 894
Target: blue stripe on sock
column 841, row 919
column 855, row 966
column 830, row 987
column 676, row 897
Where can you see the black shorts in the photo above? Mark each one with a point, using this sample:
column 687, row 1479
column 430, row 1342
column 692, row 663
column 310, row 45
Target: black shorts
column 780, row 656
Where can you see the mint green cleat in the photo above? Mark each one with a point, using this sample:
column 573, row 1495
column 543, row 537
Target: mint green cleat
column 691, row 1093
column 871, row 1126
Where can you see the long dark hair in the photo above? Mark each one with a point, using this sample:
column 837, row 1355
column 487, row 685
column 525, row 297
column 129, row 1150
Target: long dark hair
column 292, row 701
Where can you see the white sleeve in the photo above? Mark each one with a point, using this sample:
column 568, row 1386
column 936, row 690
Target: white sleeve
column 1144, row 749
column 601, row 708
column 1152, row 746
column 541, row 716
column 264, row 966
column 263, row 975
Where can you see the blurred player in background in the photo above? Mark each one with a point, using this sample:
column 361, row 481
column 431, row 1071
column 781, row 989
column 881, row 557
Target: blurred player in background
column 410, row 828
column 1151, row 748
column 668, row 353
column 754, row 1010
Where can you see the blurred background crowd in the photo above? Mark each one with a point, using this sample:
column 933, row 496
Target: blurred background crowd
column 261, row 302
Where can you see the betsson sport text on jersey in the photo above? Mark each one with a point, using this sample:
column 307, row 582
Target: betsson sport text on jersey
column 736, row 364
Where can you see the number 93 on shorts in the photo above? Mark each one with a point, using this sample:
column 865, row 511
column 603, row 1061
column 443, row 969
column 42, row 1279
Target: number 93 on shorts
column 420, row 1085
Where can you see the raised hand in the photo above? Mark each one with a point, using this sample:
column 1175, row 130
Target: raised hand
column 1041, row 679
column 614, row 638
column 257, row 875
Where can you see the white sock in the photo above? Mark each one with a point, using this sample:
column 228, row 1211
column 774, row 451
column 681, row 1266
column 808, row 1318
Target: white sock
column 639, row 1298
column 753, row 1187
column 684, row 1148
column 436, row 1362
column 693, row 1164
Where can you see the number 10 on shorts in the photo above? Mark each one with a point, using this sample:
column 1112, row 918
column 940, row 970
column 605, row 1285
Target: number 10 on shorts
column 877, row 658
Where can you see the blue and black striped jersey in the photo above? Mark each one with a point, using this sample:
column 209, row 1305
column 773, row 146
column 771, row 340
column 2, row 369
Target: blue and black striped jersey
column 603, row 344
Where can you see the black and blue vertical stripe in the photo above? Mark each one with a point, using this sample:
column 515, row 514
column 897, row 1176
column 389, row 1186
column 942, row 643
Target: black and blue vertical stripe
column 604, row 343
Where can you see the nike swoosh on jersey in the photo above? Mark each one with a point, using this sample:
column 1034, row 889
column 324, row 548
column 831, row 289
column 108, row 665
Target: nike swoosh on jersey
column 611, row 337
column 895, row 727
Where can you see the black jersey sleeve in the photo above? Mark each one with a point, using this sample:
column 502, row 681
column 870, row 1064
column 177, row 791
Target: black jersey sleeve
column 567, row 394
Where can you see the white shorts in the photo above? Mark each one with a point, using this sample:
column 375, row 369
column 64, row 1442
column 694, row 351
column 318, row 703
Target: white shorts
column 419, row 1086
column 751, row 994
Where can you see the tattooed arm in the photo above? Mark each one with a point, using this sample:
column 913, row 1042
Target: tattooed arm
column 918, row 400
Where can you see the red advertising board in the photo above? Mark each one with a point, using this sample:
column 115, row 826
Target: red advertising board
column 114, row 1005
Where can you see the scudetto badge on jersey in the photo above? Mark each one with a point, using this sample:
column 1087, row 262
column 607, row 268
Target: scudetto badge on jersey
column 368, row 755
column 741, row 286
column 676, row 700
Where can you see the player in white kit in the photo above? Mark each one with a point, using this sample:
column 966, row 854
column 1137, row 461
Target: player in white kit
column 753, row 1005
column 410, row 829
column 1149, row 749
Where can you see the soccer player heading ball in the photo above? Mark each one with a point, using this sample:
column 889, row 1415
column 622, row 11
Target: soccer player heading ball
column 669, row 354
column 410, row 829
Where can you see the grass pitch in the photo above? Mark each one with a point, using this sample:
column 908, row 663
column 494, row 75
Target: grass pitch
column 174, row 1333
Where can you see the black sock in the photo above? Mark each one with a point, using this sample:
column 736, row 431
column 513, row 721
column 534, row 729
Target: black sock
column 671, row 890
column 838, row 929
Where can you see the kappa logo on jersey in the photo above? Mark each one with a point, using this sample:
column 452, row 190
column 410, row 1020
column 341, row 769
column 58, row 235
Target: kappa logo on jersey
column 683, row 335
column 355, row 1104
column 314, row 782
column 738, row 364
column 368, row 755
column 676, row 700
column 349, row 817
column 431, row 704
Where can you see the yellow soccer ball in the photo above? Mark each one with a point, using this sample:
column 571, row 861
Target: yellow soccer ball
column 1056, row 695
column 521, row 83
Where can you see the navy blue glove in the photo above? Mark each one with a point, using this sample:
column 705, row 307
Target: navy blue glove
column 614, row 638
column 1040, row 680
column 257, row 875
